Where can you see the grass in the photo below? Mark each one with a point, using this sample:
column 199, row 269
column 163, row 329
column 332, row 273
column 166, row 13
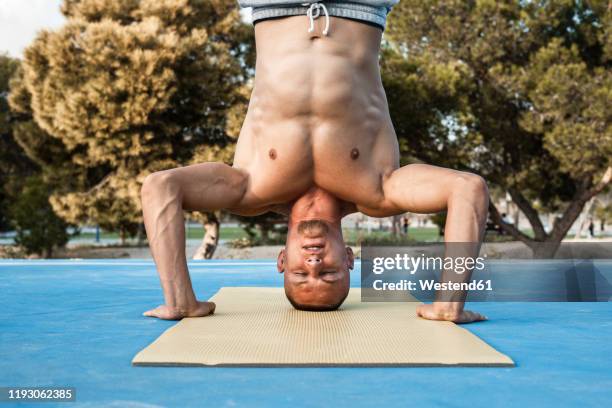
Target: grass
column 194, row 232
column 420, row 234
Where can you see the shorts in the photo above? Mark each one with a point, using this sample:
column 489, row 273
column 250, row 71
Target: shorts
column 367, row 11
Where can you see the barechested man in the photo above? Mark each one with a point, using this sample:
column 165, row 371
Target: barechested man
column 317, row 143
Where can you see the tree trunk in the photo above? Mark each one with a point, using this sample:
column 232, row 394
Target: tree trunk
column 141, row 234
column 584, row 217
column 551, row 221
column 517, row 217
column 530, row 212
column 545, row 245
column 264, row 233
column 122, row 236
column 510, row 229
column 575, row 207
column 396, row 227
column 545, row 250
column 210, row 241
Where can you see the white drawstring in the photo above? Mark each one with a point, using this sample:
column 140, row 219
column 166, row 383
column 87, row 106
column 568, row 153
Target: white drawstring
column 316, row 7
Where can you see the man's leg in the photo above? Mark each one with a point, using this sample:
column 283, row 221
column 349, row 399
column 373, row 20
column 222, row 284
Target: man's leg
column 165, row 194
column 422, row 188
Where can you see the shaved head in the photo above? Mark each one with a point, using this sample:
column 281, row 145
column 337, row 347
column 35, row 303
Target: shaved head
column 316, row 266
column 325, row 302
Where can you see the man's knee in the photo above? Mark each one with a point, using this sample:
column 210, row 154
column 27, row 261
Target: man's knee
column 158, row 183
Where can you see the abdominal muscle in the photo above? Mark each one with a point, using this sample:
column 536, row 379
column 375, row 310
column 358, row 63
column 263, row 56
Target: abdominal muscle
column 318, row 114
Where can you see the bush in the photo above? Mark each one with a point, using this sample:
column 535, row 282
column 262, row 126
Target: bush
column 247, row 242
column 39, row 230
column 265, row 229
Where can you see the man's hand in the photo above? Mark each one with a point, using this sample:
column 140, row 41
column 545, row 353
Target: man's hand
column 171, row 313
column 443, row 312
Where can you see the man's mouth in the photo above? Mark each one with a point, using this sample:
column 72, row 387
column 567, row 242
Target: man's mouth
column 313, row 246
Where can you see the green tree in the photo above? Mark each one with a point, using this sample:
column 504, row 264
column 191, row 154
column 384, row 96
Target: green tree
column 14, row 164
column 516, row 91
column 39, row 229
column 24, row 194
column 130, row 87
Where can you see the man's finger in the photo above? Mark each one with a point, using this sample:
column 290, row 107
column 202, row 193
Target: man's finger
column 469, row 317
column 209, row 307
column 422, row 312
column 418, row 311
column 152, row 312
column 476, row 317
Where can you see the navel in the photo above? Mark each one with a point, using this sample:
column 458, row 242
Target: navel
column 355, row 154
column 272, row 154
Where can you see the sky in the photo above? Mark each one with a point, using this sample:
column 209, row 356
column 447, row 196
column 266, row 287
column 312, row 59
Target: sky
column 20, row 20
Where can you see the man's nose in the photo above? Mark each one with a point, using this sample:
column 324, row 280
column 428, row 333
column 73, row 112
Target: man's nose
column 313, row 260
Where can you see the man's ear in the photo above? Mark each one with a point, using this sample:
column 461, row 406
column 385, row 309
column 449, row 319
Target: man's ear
column 350, row 257
column 280, row 261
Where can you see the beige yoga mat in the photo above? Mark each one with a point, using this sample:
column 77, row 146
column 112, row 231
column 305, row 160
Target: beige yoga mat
column 258, row 327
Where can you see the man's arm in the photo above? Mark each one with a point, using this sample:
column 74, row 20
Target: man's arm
column 165, row 194
column 421, row 188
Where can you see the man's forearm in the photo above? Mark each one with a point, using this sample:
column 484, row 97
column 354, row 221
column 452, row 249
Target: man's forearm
column 422, row 188
column 165, row 225
column 165, row 195
column 465, row 223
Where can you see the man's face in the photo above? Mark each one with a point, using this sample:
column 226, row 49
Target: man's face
column 316, row 265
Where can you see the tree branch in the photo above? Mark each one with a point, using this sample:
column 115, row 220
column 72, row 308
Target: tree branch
column 530, row 212
column 574, row 209
column 509, row 228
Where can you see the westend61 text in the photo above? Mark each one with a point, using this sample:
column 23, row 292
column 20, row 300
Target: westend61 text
column 430, row 284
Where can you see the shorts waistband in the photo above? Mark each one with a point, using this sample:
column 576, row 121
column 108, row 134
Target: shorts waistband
column 372, row 14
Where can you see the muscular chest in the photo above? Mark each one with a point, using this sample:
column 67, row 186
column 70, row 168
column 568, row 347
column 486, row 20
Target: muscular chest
column 347, row 158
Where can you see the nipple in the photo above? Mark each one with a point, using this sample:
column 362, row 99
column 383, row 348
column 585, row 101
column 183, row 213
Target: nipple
column 355, row 153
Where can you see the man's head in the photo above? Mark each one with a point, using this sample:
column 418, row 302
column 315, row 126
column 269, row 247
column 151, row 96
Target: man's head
column 316, row 265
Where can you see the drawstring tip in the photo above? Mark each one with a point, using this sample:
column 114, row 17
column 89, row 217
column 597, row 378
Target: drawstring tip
column 315, row 7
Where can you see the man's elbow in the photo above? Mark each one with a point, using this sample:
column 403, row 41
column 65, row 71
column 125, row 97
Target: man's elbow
column 472, row 187
column 159, row 183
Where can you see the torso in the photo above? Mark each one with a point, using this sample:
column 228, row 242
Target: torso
column 318, row 114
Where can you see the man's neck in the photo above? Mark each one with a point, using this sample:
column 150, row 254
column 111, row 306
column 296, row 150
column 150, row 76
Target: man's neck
column 317, row 204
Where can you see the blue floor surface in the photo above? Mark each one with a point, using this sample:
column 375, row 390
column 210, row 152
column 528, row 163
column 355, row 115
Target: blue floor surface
column 79, row 323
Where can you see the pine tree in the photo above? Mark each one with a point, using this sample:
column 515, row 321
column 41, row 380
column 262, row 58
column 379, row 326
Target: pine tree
column 39, row 229
column 12, row 163
column 24, row 194
column 517, row 91
column 128, row 87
